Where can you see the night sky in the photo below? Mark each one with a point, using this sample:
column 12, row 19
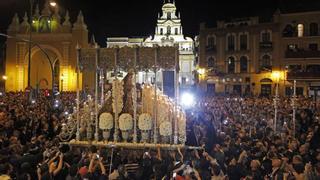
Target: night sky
column 106, row 18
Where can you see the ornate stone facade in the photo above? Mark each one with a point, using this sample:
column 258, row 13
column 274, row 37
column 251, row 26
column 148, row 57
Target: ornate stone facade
column 58, row 39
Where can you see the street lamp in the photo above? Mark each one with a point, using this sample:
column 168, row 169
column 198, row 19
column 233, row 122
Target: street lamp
column 294, row 108
column 62, row 77
column 3, row 82
column 276, row 77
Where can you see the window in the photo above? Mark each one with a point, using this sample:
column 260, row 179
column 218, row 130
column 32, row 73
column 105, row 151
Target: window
column 266, row 61
column 265, row 90
column 231, row 43
column 169, row 15
column 169, row 30
column 176, row 31
column 313, row 29
column 243, row 64
column 266, row 37
column 211, row 62
column 243, row 42
column 161, row 31
column 300, row 30
column 211, row 41
column 231, row 65
column 184, row 80
column 313, row 47
column 288, row 31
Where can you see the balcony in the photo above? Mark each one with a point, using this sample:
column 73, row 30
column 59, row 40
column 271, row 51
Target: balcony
column 303, row 75
column 302, row 54
column 266, row 46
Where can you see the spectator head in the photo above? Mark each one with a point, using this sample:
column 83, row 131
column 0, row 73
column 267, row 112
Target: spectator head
column 83, row 171
column 93, row 149
column 255, row 165
column 276, row 162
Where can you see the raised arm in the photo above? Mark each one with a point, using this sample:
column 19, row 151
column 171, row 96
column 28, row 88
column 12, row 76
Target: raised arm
column 103, row 169
column 58, row 169
column 91, row 163
column 181, row 155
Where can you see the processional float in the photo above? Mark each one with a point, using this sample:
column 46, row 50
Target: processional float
column 121, row 118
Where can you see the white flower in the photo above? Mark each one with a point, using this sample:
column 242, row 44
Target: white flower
column 145, row 122
column 166, row 129
column 125, row 122
column 106, row 121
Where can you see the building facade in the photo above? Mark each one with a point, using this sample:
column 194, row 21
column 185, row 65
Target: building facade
column 251, row 56
column 57, row 39
column 168, row 32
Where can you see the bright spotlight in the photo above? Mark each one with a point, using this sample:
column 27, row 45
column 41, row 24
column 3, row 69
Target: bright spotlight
column 53, row 4
column 187, row 100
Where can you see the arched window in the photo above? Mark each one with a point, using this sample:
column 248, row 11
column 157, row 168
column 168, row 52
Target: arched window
column 211, row 62
column 231, row 43
column 300, row 30
column 231, row 65
column 288, row 31
column 243, row 64
column 266, row 61
column 169, row 30
column 161, row 31
column 313, row 29
column 243, row 42
column 176, row 31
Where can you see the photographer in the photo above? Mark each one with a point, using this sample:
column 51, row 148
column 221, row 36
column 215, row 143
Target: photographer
column 55, row 165
column 96, row 164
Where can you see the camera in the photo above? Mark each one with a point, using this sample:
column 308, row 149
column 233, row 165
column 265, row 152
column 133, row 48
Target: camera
column 97, row 156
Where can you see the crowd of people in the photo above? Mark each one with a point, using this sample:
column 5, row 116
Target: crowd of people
column 236, row 134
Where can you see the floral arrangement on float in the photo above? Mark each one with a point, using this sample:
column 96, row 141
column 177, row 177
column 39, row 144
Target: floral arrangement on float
column 106, row 124
column 125, row 125
column 145, row 125
column 165, row 130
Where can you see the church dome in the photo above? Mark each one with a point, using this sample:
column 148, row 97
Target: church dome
column 169, row 6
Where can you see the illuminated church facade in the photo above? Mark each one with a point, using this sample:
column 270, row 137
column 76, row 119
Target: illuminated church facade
column 168, row 32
